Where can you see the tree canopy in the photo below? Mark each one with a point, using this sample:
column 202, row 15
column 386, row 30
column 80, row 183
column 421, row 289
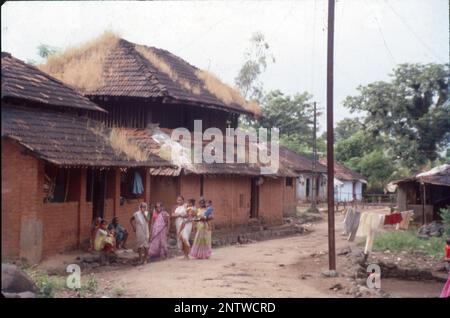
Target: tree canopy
column 411, row 110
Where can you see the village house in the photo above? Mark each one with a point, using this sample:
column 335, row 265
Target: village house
column 425, row 193
column 146, row 90
column 303, row 166
column 348, row 184
column 69, row 155
column 58, row 172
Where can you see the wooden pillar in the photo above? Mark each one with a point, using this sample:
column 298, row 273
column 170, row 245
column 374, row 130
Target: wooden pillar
column 116, row 192
column 147, row 186
column 82, row 207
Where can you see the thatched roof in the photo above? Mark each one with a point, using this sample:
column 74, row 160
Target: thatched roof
column 111, row 66
column 24, row 82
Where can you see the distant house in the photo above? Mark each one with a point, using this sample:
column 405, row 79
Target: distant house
column 425, row 193
column 348, row 184
column 303, row 166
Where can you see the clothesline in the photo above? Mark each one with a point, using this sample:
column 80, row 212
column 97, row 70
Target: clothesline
column 367, row 224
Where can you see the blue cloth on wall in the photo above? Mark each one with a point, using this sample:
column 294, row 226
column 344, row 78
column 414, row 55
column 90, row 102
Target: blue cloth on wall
column 138, row 187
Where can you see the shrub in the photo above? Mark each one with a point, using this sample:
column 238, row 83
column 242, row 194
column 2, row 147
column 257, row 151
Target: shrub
column 445, row 215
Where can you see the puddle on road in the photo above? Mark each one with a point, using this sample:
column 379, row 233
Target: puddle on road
column 414, row 289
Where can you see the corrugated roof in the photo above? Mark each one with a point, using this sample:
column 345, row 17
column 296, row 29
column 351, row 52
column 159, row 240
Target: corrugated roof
column 439, row 176
column 66, row 140
column 26, row 82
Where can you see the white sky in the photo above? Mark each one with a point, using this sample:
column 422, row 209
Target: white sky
column 371, row 36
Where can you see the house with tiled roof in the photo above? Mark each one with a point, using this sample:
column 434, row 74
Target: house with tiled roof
column 309, row 184
column 348, row 184
column 55, row 163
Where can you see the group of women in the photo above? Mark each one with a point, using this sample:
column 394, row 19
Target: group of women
column 152, row 241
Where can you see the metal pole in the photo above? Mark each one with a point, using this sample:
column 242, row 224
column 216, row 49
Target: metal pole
column 330, row 137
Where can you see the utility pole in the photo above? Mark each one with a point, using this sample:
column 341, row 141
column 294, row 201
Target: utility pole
column 314, row 164
column 330, row 137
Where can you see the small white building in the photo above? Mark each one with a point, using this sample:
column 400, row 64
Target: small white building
column 348, row 184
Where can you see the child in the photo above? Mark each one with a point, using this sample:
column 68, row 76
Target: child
column 99, row 242
column 109, row 246
column 447, row 250
column 94, row 228
column 446, row 290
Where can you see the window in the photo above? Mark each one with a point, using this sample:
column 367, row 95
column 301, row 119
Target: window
column 289, row 182
column 307, row 187
column 56, row 184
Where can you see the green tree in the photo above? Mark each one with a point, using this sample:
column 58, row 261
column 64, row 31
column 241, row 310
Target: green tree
column 346, row 127
column 354, row 146
column 45, row 50
column 412, row 111
column 376, row 166
column 255, row 63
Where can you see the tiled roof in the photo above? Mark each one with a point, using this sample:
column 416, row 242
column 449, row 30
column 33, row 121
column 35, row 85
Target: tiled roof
column 298, row 162
column 66, row 140
column 341, row 172
column 126, row 72
column 26, row 82
column 155, row 140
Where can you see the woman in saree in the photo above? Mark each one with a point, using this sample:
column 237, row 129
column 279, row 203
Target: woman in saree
column 160, row 226
column 201, row 248
column 183, row 215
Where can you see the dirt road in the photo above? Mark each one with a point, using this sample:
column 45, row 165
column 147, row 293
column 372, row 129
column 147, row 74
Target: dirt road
column 263, row 269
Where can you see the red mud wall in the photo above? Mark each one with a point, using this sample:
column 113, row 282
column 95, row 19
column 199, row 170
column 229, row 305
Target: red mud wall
column 271, row 200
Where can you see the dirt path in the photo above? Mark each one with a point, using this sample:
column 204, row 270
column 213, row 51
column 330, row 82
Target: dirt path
column 263, row 269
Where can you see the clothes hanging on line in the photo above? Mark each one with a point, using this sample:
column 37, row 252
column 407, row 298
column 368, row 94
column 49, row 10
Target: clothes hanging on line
column 369, row 225
column 347, row 220
column 354, row 225
column 406, row 218
column 391, row 219
column 138, row 187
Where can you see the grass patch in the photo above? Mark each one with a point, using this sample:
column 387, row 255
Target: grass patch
column 119, row 292
column 82, row 66
column 48, row 285
column 408, row 241
column 163, row 66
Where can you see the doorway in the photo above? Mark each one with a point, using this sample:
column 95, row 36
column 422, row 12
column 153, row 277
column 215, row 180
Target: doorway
column 96, row 182
column 254, row 198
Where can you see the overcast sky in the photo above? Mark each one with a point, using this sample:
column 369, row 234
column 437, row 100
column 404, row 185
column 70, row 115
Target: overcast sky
column 372, row 36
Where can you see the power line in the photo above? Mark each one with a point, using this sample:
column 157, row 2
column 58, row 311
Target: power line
column 406, row 24
column 381, row 34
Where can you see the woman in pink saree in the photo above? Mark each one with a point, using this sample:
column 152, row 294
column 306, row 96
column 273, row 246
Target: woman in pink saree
column 160, row 227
